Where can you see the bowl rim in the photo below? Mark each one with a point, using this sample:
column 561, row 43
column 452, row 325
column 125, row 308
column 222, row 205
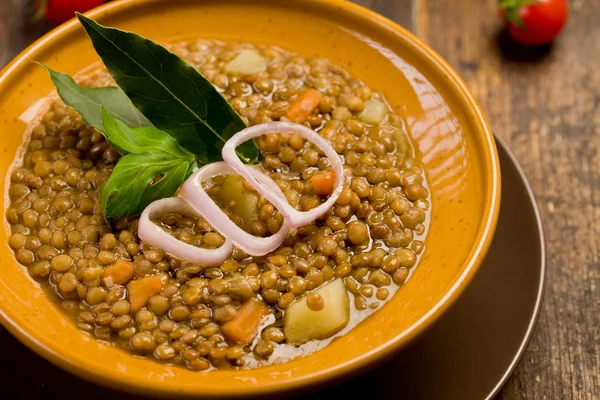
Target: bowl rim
column 340, row 371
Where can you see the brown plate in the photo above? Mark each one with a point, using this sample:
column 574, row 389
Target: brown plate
column 468, row 354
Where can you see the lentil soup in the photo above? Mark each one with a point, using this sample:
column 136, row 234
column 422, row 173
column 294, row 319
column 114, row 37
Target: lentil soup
column 248, row 311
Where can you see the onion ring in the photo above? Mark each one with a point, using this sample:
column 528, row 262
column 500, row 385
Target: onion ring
column 198, row 199
column 295, row 217
column 152, row 234
column 194, row 200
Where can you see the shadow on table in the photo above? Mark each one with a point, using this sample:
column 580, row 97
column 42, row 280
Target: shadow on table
column 512, row 51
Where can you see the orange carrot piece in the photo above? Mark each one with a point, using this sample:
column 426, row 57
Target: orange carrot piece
column 119, row 273
column 140, row 290
column 244, row 326
column 303, row 106
column 323, row 183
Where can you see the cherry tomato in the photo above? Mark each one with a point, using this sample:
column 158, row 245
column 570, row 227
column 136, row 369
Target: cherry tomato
column 534, row 22
column 59, row 11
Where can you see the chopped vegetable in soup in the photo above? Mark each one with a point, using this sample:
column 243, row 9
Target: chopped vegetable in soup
column 321, row 276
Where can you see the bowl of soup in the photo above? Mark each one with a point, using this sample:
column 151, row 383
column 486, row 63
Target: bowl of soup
column 345, row 106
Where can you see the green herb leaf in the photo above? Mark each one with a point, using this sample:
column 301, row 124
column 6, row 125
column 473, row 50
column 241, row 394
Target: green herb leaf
column 88, row 101
column 173, row 95
column 121, row 194
column 148, row 153
column 169, row 183
column 140, row 140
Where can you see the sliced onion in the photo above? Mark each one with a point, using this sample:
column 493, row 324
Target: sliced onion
column 194, row 200
column 295, row 217
column 152, row 234
column 195, row 195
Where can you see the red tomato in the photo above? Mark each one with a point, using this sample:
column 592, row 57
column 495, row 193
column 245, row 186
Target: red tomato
column 536, row 22
column 59, row 11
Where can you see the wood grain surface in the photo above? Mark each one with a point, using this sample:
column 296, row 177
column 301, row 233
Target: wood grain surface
column 546, row 104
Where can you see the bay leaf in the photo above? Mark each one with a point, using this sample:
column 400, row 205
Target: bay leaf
column 172, row 94
column 88, row 102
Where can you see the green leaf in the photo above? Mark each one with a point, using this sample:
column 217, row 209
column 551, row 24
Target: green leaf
column 121, row 194
column 512, row 11
column 173, row 95
column 165, row 187
column 149, row 153
column 89, row 101
column 140, row 140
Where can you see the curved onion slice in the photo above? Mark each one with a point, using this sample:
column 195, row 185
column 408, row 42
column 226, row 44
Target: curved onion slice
column 195, row 195
column 152, row 234
column 295, row 217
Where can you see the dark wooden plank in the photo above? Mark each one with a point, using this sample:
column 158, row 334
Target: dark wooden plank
column 17, row 29
column 400, row 11
column 7, row 29
column 546, row 103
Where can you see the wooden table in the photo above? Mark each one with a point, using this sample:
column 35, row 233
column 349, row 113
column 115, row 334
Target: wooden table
column 546, row 104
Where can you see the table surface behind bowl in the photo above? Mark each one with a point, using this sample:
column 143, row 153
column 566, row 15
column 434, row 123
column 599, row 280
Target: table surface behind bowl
column 546, row 104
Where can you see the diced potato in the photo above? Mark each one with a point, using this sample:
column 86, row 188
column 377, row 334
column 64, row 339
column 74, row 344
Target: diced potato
column 374, row 112
column 404, row 147
column 247, row 62
column 302, row 324
column 246, row 201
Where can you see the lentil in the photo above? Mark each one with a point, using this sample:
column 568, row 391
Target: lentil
column 143, row 342
column 57, row 229
column 315, row 302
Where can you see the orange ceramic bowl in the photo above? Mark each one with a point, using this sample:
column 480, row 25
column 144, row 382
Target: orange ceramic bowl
column 451, row 136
